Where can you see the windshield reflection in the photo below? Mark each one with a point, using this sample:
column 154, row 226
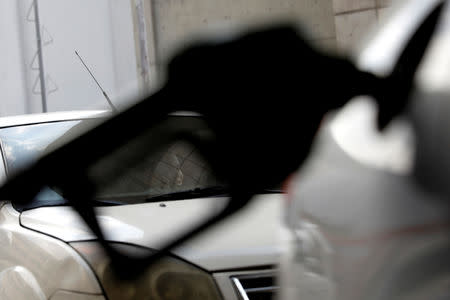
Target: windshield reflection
column 23, row 145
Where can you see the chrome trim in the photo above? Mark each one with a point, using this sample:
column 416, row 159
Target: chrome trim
column 3, row 164
column 243, row 292
column 240, row 288
column 262, row 289
column 49, row 117
column 227, row 286
column 183, row 113
column 30, row 119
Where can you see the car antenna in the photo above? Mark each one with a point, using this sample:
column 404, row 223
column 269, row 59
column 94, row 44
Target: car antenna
column 113, row 108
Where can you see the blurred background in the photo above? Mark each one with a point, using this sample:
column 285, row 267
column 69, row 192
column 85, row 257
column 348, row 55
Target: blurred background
column 125, row 42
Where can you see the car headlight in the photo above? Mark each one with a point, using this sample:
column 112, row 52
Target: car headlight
column 168, row 279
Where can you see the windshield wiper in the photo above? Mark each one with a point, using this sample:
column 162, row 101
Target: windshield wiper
column 191, row 194
column 214, row 191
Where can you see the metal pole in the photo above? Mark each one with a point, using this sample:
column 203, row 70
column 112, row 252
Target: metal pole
column 143, row 47
column 40, row 58
column 155, row 41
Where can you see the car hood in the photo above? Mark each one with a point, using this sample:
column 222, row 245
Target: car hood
column 247, row 239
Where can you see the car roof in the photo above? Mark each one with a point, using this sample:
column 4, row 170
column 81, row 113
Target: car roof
column 52, row 117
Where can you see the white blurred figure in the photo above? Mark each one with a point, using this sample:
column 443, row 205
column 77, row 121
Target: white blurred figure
column 368, row 215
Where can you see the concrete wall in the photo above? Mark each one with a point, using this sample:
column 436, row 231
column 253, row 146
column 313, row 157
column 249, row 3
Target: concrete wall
column 355, row 18
column 177, row 22
column 123, row 42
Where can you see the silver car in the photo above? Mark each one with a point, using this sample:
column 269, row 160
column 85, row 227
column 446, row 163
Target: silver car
column 49, row 253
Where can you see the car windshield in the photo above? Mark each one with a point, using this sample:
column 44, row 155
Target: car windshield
column 174, row 171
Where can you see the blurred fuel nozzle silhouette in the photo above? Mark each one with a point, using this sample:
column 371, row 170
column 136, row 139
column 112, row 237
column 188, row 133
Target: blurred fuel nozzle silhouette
column 263, row 95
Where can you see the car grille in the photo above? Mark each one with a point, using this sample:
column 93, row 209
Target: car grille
column 255, row 286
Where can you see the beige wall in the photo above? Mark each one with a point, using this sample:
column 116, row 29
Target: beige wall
column 330, row 23
column 354, row 18
column 171, row 23
column 178, row 20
